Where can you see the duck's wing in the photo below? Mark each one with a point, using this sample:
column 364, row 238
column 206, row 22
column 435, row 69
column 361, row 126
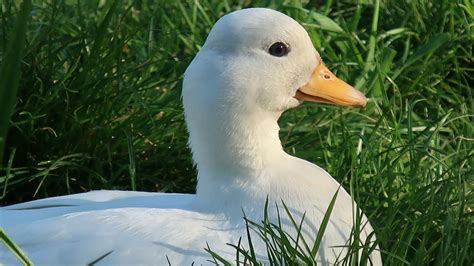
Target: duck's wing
column 80, row 199
column 106, row 226
column 118, row 236
column 28, row 212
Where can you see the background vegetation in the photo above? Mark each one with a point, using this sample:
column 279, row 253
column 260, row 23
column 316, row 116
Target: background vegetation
column 99, row 107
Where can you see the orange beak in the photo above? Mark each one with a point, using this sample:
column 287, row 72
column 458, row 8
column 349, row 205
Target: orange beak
column 325, row 87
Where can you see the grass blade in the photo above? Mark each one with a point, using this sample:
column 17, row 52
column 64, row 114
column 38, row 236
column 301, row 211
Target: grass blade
column 217, row 259
column 324, row 223
column 430, row 47
column 14, row 248
column 10, row 71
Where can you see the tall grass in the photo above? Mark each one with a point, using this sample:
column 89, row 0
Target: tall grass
column 10, row 71
column 99, row 108
column 9, row 79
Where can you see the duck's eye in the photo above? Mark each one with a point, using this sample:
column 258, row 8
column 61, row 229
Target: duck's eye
column 278, row 49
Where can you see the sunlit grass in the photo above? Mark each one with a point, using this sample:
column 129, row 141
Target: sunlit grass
column 99, row 108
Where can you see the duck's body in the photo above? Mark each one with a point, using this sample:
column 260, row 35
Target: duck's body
column 143, row 228
column 231, row 113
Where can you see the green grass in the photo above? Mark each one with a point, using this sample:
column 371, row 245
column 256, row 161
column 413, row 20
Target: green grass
column 99, row 108
column 10, row 71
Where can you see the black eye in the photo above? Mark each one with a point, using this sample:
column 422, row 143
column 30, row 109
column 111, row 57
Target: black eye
column 278, row 49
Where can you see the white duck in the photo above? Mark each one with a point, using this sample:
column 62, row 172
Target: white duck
column 254, row 65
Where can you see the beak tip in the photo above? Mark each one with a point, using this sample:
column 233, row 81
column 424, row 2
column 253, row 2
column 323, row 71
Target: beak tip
column 361, row 100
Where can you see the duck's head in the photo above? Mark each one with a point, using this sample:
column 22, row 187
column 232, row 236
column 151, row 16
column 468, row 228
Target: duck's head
column 264, row 59
column 255, row 64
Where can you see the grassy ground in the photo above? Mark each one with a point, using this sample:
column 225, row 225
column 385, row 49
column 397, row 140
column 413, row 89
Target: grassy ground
column 99, row 108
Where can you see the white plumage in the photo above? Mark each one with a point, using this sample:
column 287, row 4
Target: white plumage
column 234, row 91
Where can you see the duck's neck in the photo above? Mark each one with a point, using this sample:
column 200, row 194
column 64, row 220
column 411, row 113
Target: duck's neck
column 233, row 149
